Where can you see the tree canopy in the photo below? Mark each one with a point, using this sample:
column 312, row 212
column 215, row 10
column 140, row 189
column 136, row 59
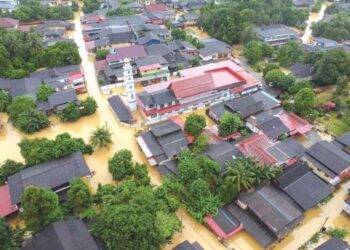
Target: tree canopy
column 43, row 92
column 9, row 167
column 228, row 21
column 91, row 5
column 290, row 53
column 24, row 115
column 35, row 151
column 100, row 138
column 304, row 102
column 79, row 197
column 5, row 100
column 194, row 124
column 121, row 165
column 229, row 123
column 10, row 239
column 256, row 51
column 40, row 207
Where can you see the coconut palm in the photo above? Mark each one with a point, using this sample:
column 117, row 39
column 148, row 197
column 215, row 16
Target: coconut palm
column 100, row 138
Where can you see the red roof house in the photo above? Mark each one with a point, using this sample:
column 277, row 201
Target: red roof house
column 295, row 124
column 155, row 7
column 6, row 208
column 8, row 23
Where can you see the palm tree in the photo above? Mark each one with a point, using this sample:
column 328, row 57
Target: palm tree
column 100, row 138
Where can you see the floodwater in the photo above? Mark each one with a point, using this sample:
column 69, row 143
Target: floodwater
column 124, row 137
column 313, row 18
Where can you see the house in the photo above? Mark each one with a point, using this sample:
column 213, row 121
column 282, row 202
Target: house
column 303, row 3
column 120, row 110
column 60, row 78
column 244, row 106
column 188, row 19
column 131, row 52
column 71, row 234
column 335, row 244
column 58, row 101
column 224, row 224
column 185, row 48
column 301, row 71
column 91, row 18
column 54, row 174
column 277, row 122
column 20, row 87
column 6, row 208
column 158, row 50
column 148, row 39
column 155, row 8
column 320, row 44
column 186, row 245
column 223, row 153
column 214, row 50
column 162, row 142
column 271, row 153
column 8, row 5
column 303, row 185
column 8, row 23
column 276, row 34
column 329, row 161
column 273, row 208
column 343, row 141
column 151, row 70
column 197, row 87
column 168, row 168
column 159, row 17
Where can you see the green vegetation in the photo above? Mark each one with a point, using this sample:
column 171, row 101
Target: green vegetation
column 79, row 197
column 72, row 112
column 180, row 34
column 24, row 115
column 10, row 238
column 256, row 51
column 32, row 10
column 341, row 233
column 121, row 165
column 101, row 54
column 100, row 138
column 200, row 144
column 5, row 100
column 40, row 207
column 243, row 174
column 23, row 52
column 91, row 5
column 9, row 167
column 121, row 11
column 317, row 6
column 290, row 54
column 43, row 92
column 35, row 151
column 195, row 124
column 304, row 102
column 229, row 123
column 227, row 21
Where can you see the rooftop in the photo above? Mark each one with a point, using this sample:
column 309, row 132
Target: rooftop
column 120, row 109
column 131, row 52
column 49, row 174
column 335, row 244
column 6, row 208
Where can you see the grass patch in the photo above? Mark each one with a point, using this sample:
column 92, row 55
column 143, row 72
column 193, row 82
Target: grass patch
column 333, row 125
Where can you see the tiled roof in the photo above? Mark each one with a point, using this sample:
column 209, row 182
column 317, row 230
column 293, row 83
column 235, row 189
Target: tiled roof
column 155, row 7
column 6, row 22
column 6, row 208
column 132, row 51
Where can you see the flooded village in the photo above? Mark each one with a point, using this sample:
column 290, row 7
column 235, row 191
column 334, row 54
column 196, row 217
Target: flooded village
column 161, row 66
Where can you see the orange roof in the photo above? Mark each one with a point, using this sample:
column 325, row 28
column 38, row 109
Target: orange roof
column 193, row 86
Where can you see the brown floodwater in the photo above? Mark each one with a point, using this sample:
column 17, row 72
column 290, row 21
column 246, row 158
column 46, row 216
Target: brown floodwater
column 124, row 137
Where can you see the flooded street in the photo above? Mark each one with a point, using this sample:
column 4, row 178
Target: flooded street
column 313, row 18
column 124, row 137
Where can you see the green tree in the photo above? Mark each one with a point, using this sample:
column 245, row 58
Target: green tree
column 304, row 102
column 19, row 105
column 60, row 54
column 79, row 197
column 200, row 144
column 91, row 5
column 31, row 120
column 330, row 66
column 141, row 175
column 178, row 34
column 89, row 106
column 194, row 124
column 121, row 165
column 167, row 224
column 268, row 67
column 40, row 207
column 248, row 34
column 70, row 113
column 341, row 233
column 5, row 100
column 290, row 53
column 9, row 167
column 43, row 92
column 101, row 54
column 255, row 51
column 187, row 168
column 10, row 239
column 229, row 123
column 100, row 138
column 342, row 86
